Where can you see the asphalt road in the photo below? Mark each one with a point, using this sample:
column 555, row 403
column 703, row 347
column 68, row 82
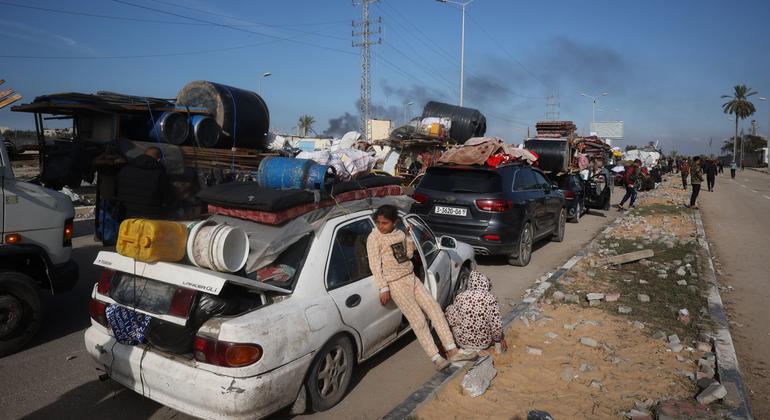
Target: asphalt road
column 55, row 378
column 737, row 221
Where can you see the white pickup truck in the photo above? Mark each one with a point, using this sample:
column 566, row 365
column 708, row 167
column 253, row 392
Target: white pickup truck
column 35, row 246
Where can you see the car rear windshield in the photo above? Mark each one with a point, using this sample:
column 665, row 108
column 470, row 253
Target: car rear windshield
column 461, row 180
column 567, row 182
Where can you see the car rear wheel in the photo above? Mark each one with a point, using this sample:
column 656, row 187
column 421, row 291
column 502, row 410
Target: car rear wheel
column 330, row 374
column 558, row 234
column 20, row 311
column 578, row 213
column 525, row 247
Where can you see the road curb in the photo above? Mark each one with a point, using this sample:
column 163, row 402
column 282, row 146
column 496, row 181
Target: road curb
column 727, row 360
column 440, row 379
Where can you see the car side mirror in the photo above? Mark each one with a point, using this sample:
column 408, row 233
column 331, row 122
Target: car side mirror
column 447, row 243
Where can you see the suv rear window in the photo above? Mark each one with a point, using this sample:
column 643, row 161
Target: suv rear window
column 461, row 180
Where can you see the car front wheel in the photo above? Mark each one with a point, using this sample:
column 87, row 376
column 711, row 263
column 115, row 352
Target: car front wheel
column 330, row 373
column 462, row 282
column 525, row 247
column 578, row 213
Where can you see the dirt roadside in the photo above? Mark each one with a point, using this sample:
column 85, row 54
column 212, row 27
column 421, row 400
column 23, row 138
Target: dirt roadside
column 630, row 351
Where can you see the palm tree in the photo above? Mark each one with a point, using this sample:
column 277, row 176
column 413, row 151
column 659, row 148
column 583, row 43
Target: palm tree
column 306, row 124
column 740, row 106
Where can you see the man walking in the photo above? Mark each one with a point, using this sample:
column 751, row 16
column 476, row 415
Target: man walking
column 684, row 169
column 143, row 186
column 629, row 180
column 695, row 180
column 733, row 168
column 711, row 174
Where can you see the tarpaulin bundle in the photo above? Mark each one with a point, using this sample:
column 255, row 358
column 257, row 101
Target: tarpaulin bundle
column 555, row 128
column 490, row 151
column 466, row 122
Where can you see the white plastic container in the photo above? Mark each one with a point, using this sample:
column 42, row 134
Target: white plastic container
column 217, row 247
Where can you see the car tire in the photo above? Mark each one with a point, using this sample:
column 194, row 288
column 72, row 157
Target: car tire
column 20, row 311
column 578, row 213
column 558, row 234
column 462, row 282
column 330, row 373
column 526, row 238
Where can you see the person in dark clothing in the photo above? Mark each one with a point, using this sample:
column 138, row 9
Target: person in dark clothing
column 629, row 180
column 684, row 169
column 721, row 167
column 143, row 186
column 696, row 178
column 711, row 174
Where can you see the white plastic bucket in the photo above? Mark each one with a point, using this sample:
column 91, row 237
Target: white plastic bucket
column 217, row 246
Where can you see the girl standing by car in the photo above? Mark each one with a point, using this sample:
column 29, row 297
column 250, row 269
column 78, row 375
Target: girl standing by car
column 390, row 258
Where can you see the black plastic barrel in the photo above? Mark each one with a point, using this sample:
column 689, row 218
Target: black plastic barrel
column 242, row 114
column 554, row 154
column 466, row 122
column 170, row 127
column 205, row 131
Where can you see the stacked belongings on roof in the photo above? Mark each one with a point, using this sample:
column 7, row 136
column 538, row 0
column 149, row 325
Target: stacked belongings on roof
column 489, row 151
column 287, row 188
column 555, row 129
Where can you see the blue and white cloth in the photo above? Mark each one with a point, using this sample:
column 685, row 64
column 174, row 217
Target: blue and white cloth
column 128, row 326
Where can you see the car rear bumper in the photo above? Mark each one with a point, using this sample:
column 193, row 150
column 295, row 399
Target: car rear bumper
column 176, row 381
column 506, row 246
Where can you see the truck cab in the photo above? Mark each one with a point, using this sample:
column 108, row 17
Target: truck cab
column 36, row 226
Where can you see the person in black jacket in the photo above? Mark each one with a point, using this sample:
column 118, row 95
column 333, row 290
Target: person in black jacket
column 143, row 186
column 711, row 174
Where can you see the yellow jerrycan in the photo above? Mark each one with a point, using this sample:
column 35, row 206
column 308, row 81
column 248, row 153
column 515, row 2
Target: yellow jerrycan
column 152, row 240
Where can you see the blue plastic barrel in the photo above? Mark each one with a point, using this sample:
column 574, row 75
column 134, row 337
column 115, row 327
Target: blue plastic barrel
column 205, row 131
column 294, row 174
column 170, row 127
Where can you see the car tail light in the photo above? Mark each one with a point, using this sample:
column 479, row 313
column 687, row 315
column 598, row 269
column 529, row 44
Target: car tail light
column 496, row 205
column 12, row 238
column 69, row 229
column 105, row 282
column 98, row 311
column 495, row 238
column 222, row 353
column 420, row 198
column 569, row 195
column 181, row 302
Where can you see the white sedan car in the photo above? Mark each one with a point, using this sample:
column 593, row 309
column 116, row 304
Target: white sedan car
column 291, row 333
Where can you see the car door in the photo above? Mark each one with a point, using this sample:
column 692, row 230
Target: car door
column 350, row 283
column 439, row 274
column 535, row 197
column 551, row 202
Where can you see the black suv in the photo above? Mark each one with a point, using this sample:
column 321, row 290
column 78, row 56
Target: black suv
column 498, row 211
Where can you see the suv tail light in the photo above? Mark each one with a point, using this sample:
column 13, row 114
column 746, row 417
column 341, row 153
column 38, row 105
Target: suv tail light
column 98, row 311
column 420, row 198
column 69, row 229
column 494, row 238
column 222, row 353
column 105, row 282
column 496, row 205
column 569, row 195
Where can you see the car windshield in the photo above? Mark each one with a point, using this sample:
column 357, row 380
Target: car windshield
column 461, row 180
column 284, row 271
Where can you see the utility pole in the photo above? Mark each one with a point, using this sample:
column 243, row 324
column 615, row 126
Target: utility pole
column 366, row 57
column 552, row 108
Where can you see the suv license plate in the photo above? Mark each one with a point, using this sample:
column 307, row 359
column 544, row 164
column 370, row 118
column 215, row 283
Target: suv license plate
column 450, row 211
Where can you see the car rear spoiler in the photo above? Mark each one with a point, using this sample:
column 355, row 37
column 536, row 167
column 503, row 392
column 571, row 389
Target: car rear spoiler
column 181, row 275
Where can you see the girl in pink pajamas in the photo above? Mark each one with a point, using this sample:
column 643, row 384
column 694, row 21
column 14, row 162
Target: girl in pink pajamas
column 390, row 252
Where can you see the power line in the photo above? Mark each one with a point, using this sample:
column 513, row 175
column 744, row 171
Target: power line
column 430, row 71
column 144, row 20
column 223, row 25
column 366, row 58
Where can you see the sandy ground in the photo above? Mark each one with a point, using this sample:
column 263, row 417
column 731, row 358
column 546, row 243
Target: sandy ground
column 737, row 220
column 628, row 367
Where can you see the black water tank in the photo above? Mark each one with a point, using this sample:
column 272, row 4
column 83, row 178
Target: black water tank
column 466, row 122
column 242, row 114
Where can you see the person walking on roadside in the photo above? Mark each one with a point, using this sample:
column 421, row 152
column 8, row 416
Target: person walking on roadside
column 475, row 316
column 711, row 174
column 696, row 178
column 733, row 168
column 390, row 252
column 629, row 180
column 721, row 167
column 684, row 169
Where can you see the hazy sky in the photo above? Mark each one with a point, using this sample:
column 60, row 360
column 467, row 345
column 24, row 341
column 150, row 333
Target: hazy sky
column 664, row 64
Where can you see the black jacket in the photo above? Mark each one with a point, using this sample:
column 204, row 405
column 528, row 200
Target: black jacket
column 144, row 188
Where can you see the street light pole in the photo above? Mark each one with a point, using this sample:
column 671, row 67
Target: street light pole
column 406, row 106
column 462, row 44
column 593, row 107
column 265, row 74
column 767, row 148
